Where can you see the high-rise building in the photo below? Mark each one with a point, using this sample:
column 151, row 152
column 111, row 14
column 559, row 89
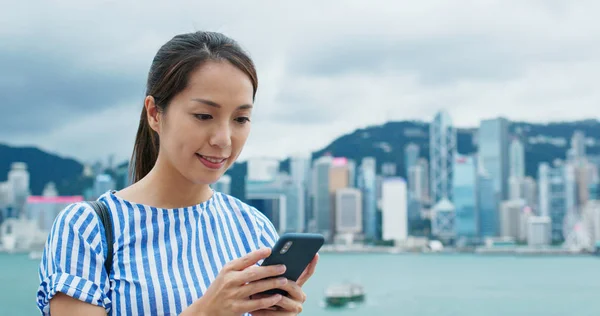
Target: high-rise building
column 525, row 215
column 368, row 187
column 529, row 192
column 539, row 231
column 388, row 169
column 442, row 146
column 339, row 178
column 351, row 165
column 416, row 177
column 515, row 188
column 425, row 185
column 348, row 211
column 578, row 144
column 487, row 205
column 321, row 197
column 18, row 177
column 544, row 189
column 510, row 217
column 411, row 157
column 300, row 171
column 394, row 209
column 557, row 195
column 465, row 197
column 493, row 152
column 517, row 159
column 278, row 199
column 443, row 220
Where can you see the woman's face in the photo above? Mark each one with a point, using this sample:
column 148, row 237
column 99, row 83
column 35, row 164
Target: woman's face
column 205, row 127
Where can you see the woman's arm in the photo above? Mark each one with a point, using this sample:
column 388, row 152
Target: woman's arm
column 63, row 305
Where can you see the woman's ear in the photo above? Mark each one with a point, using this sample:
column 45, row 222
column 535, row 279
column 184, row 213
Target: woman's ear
column 152, row 113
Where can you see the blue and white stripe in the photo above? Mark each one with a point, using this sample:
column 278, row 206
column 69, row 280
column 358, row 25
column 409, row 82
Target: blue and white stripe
column 163, row 260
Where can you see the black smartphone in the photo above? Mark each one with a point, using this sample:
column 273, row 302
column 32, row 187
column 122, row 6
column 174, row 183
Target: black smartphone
column 295, row 251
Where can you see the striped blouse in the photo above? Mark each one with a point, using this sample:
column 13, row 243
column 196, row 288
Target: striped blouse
column 163, row 260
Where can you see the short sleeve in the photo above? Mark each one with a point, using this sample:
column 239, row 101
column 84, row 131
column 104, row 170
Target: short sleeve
column 73, row 259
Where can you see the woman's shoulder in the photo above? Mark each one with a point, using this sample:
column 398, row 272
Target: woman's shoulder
column 231, row 204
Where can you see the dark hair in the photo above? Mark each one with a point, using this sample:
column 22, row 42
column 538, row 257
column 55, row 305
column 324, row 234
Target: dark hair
column 169, row 75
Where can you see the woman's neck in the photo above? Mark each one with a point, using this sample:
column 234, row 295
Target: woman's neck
column 165, row 187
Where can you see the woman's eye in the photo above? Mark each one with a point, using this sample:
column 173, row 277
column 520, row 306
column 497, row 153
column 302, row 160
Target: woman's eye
column 203, row 117
column 242, row 120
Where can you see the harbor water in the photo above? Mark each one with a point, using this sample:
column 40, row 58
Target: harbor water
column 408, row 284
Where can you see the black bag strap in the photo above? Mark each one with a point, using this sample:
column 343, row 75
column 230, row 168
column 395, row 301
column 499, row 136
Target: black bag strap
column 102, row 211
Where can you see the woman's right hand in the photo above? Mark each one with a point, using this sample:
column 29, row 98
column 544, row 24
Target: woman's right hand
column 229, row 294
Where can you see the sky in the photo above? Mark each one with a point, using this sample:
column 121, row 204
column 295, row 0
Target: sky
column 72, row 73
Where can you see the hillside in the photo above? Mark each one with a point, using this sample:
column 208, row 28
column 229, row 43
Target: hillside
column 384, row 142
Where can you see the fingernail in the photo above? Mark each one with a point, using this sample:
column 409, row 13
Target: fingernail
column 282, row 281
column 281, row 268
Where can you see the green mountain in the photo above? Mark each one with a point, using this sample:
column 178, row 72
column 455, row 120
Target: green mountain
column 543, row 143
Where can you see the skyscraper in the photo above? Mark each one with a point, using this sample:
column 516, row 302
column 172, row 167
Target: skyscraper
column 578, row 144
column 339, row 178
column 18, row 177
column 425, row 185
column 321, row 196
column 411, row 157
column 517, row 159
column 442, row 146
column 368, row 187
column 394, row 208
column 487, row 205
column 348, row 211
column 493, row 152
column 465, row 197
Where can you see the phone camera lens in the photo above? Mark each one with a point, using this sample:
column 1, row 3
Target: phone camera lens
column 286, row 247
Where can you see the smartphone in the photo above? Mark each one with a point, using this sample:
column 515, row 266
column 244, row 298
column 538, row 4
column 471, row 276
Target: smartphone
column 295, row 251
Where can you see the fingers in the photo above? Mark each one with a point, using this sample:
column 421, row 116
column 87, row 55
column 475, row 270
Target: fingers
column 255, row 273
column 259, row 303
column 294, row 291
column 309, row 271
column 247, row 260
column 290, row 305
column 263, row 285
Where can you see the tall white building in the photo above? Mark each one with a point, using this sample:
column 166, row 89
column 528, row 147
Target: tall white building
column 442, row 146
column 578, row 144
column 321, row 210
column 517, row 159
column 18, row 177
column 544, row 189
column 348, row 213
column 394, row 208
column 510, row 218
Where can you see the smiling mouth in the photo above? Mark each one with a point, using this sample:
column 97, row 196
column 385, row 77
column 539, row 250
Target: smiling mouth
column 213, row 159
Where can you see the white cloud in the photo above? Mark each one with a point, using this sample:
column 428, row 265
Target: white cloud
column 326, row 69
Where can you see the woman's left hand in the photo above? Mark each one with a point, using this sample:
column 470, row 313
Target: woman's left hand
column 292, row 303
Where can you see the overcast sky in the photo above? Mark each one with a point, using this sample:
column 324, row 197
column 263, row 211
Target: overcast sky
column 72, row 73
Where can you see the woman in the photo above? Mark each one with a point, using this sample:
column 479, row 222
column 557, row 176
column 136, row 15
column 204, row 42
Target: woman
column 180, row 248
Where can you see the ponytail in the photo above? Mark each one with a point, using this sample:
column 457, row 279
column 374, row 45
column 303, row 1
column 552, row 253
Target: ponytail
column 145, row 149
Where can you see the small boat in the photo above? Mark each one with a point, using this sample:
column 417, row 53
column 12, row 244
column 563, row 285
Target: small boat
column 339, row 295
